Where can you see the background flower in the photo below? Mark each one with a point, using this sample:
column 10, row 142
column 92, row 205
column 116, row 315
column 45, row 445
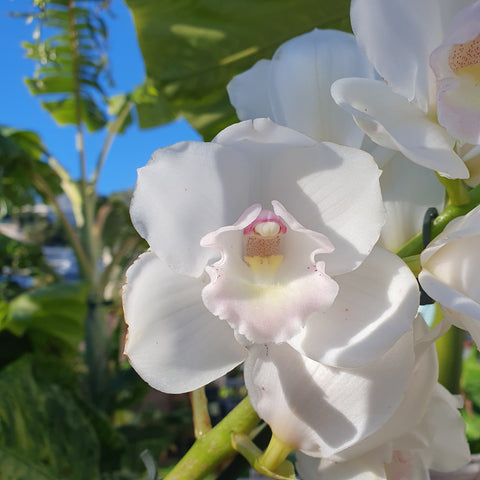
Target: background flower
column 293, row 89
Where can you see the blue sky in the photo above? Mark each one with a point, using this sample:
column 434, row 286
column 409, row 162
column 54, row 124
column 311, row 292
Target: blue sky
column 20, row 110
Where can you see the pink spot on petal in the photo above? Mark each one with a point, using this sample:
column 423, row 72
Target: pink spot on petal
column 464, row 54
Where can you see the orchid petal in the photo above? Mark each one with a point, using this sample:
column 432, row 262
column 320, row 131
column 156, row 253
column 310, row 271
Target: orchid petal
column 367, row 467
column 301, row 74
column 455, row 63
column 449, row 447
column 293, row 89
column 322, row 410
column 414, row 404
column 397, row 41
column 375, row 305
column 407, row 464
column 248, row 92
column 173, row 342
column 408, row 190
column 391, row 121
column 181, row 194
column 328, row 188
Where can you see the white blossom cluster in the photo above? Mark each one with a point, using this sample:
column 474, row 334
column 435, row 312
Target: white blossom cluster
column 274, row 244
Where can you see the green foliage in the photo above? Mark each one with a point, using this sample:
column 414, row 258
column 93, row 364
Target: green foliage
column 470, row 385
column 44, row 435
column 71, row 61
column 193, row 48
column 21, row 164
column 52, row 317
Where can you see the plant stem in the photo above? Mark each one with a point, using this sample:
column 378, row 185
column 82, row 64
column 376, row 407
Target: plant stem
column 456, row 190
column 415, row 245
column 201, row 418
column 112, row 132
column 275, row 454
column 450, row 353
column 213, row 447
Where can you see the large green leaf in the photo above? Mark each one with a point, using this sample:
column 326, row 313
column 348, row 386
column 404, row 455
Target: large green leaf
column 44, row 435
column 192, row 48
column 56, row 311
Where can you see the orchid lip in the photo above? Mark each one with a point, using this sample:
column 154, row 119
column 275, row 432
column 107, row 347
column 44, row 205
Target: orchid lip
column 266, row 271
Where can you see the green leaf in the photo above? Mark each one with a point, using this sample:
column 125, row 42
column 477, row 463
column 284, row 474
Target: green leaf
column 192, row 48
column 64, row 112
column 44, row 435
column 71, row 61
column 21, row 159
column 152, row 106
column 58, row 311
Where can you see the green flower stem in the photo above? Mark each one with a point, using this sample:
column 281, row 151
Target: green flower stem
column 449, row 350
column 213, row 447
column 272, row 463
column 415, row 245
column 456, row 190
column 275, row 454
column 201, row 418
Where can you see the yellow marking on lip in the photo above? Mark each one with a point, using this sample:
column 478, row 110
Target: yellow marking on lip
column 264, row 267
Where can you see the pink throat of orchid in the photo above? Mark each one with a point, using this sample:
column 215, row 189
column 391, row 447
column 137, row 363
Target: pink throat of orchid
column 262, row 238
column 465, row 57
column 262, row 243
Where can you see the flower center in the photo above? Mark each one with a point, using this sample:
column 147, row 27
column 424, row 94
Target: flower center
column 464, row 58
column 262, row 245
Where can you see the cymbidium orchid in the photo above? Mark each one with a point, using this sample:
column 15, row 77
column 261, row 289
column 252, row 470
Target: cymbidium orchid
column 425, row 432
column 427, row 104
column 293, row 89
column 450, row 266
column 262, row 248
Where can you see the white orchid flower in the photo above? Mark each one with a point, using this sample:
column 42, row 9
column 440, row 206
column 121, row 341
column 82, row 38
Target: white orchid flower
column 293, row 89
column 262, row 247
column 422, row 112
column 450, row 266
column 425, row 432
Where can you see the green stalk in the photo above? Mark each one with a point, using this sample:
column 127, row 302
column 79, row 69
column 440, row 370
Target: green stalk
column 201, row 417
column 112, row 132
column 456, row 190
column 213, row 447
column 450, row 351
column 415, row 245
column 95, row 335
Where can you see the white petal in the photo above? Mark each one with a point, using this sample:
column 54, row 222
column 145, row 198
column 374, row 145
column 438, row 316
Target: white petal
column 367, row 467
column 328, row 188
column 301, row 74
column 294, row 88
column 398, row 37
column 174, row 343
column 413, row 406
column 449, row 448
column 408, row 190
column 376, row 304
column 407, row 464
column 391, row 121
column 184, row 192
column 248, row 92
column 322, row 410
